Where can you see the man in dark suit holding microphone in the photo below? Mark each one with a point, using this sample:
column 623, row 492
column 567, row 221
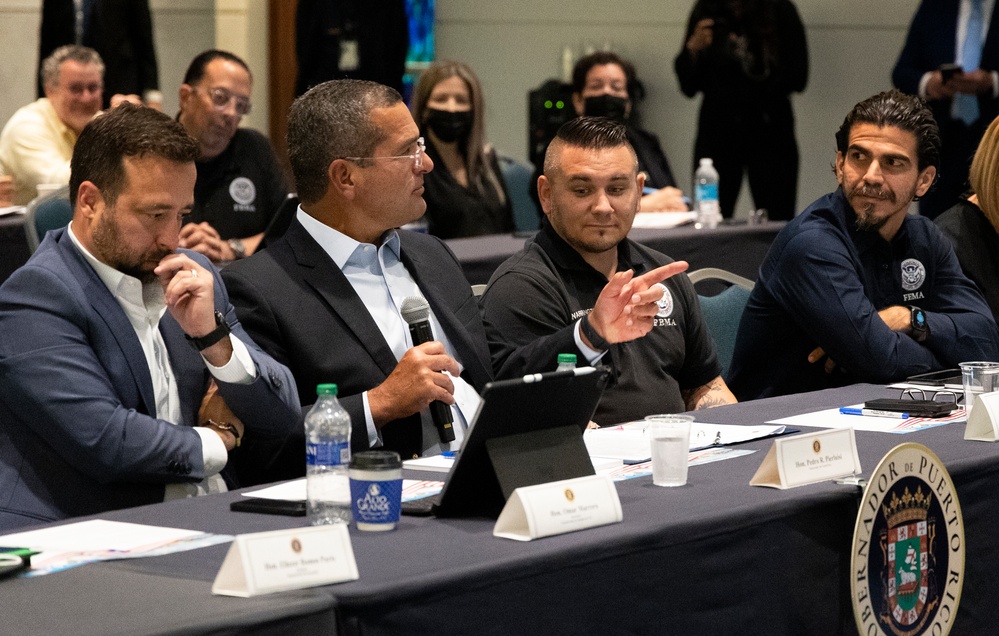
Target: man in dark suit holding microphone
column 327, row 298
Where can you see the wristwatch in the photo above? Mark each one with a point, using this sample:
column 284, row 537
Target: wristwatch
column 917, row 322
column 228, row 427
column 221, row 331
column 238, row 249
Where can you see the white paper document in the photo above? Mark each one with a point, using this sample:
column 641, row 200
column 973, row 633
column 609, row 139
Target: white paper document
column 662, row 220
column 295, row 490
column 832, row 418
column 74, row 544
column 629, row 442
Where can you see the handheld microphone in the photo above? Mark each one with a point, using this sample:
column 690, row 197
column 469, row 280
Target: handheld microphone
column 415, row 311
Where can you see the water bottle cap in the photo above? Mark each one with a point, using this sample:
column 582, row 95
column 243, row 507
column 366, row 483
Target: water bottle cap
column 567, row 358
column 707, row 162
column 376, row 460
column 326, row 389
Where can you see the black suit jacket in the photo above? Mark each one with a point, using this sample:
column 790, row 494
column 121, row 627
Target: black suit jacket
column 297, row 305
column 122, row 32
column 931, row 42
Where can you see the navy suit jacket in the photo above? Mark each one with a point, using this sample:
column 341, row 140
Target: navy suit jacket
column 932, row 41
column 297, row 304
column 78, row 428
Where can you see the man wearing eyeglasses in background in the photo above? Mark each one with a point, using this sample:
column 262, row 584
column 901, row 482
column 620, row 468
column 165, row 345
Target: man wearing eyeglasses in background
column 37, row 142
column 240, row 184
column 325, row 298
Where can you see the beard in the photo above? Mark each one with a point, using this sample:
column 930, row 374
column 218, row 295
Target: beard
column 111, row 249
column 865, row 210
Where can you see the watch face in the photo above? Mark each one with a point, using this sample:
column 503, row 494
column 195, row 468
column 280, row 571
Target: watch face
column 918, row 319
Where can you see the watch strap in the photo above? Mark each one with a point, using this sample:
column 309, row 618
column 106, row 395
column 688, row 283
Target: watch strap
column 221, row 331
column 597, row 341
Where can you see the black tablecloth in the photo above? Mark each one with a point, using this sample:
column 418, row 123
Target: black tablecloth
column 716, row 556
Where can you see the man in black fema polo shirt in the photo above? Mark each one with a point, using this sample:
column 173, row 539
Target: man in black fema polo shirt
column 580, row 286
column 240, row 185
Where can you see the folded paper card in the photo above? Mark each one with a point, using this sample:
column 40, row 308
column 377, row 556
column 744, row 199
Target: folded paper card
column 558, row 507
column 266, row 562
column 809, row 458
column 983, row 423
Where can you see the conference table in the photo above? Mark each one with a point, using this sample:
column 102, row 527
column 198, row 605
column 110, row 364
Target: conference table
column 739, row 248
column 715, row 556
column 736, row 247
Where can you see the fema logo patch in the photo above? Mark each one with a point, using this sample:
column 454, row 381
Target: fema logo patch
column 907, row 565
column 242, row 191
column 913, row 274
column 665, row 303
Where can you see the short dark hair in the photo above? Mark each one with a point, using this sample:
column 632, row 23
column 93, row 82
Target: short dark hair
column 895, row 108
column 590, row 133
column 125, row 131
column 196, row 70
column 585, row 63
column 332, row 121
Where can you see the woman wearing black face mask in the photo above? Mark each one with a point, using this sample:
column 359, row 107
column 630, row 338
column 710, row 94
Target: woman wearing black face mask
column 465, row 193
column 605, row 85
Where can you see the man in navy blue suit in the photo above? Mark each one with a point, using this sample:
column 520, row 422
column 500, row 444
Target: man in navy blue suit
column 110, row 338
column 965, row 101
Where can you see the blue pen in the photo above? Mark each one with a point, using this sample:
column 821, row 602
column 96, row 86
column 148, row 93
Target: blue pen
column 846, row 410
column 449, row 454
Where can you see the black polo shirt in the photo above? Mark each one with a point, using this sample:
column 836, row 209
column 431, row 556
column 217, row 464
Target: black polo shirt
column 535, row 298
column 239, row 191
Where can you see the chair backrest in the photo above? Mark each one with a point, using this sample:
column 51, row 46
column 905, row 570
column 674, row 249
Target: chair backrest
column 526, row 216
column 50, row 211
column 723, row 311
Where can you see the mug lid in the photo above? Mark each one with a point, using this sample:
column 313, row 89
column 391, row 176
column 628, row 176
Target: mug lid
column 376, row 460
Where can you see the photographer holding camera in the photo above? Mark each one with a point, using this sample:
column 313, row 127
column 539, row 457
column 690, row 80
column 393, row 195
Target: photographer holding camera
column 747, row 57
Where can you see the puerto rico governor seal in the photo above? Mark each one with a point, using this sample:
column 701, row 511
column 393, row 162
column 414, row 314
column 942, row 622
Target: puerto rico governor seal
column 907, row 564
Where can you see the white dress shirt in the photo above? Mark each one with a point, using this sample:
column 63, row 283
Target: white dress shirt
column 144, row 306
column 382, row 282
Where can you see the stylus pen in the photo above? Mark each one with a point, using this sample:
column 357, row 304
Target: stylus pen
column 846, row 410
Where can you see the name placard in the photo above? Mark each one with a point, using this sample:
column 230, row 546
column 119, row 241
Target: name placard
column 982, row 423
column 266, row 562
column 533, row 512
column 808, row 459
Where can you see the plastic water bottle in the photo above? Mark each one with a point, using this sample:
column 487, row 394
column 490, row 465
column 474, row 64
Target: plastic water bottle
column 566, row 362
column 327, row 457
column 706, row 194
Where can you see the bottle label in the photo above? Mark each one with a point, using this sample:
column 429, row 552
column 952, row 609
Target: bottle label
column 706, row 192
column 327, row 454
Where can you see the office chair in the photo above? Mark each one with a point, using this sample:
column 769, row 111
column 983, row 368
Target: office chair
column 723, row 311
column 526, row 216
column 50, row 211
